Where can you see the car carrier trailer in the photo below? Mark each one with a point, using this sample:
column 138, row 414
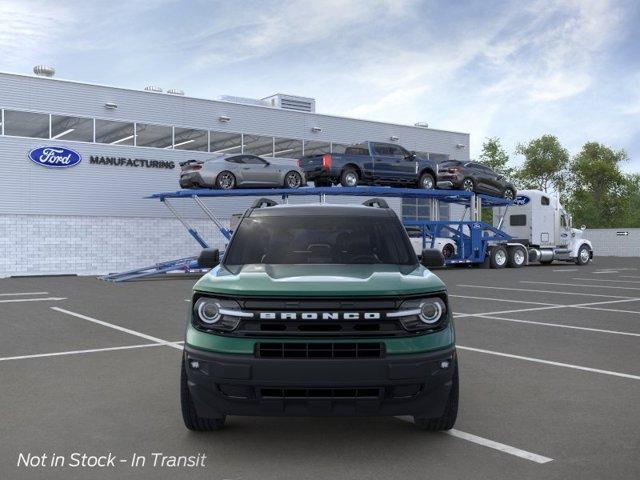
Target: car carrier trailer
column 475, row 241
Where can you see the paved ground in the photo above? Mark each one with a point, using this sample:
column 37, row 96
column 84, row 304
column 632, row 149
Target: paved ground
column 550, row 370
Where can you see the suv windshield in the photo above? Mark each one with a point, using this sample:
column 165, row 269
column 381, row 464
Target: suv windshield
column 278, row 240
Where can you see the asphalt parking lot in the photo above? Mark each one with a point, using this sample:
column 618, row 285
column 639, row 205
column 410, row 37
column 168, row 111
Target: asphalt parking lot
column 549, row 375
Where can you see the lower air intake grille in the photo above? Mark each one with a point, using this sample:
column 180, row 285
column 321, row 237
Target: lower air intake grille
column 332, row 393
column 319, row 350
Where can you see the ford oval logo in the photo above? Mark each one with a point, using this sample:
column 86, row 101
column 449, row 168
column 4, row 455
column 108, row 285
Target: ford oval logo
column 55, row 157
column 521, row 200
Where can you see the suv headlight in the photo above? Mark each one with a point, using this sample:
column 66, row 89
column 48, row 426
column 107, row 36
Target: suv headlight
column 421, row 314
column 217, row 314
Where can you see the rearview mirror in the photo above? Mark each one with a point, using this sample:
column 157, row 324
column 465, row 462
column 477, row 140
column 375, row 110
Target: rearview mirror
column 209, row 258
column 431, row 258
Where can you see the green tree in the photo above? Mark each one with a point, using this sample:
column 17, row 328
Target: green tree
column 600, row 195
column 495, row 157
column 545, row 164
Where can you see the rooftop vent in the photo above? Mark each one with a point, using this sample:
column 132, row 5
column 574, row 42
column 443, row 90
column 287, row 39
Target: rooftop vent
column 153, row 88
column 244, row 100
column 175, row 91
column 291, row 102
column 422, row 124
column 44, row 71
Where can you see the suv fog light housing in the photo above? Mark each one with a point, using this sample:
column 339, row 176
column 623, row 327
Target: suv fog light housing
column 208, row 311
column 431, row 311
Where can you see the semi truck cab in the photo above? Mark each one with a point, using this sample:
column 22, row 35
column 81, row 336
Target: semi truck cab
column 539, row 221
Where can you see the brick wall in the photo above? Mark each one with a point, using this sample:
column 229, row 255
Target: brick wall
column 50, row 245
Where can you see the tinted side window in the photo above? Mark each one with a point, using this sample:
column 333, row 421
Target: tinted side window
column 235, row 159
column 382, row 149
column 518, row 220
column 544, row 200
column 252, row 160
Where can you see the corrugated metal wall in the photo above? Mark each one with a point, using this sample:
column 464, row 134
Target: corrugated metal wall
column 103, row 190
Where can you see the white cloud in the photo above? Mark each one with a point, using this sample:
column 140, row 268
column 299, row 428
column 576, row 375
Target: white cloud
column 31, row 30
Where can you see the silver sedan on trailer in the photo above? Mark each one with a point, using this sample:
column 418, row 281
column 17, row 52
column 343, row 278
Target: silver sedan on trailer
column 235, row 171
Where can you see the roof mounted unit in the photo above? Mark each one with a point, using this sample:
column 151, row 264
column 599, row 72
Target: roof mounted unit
column 175, row 91
column 244, row 100
column 422, row 124
column 44, row 71
column 394, row 138
column 153, row 88
column 292, row 102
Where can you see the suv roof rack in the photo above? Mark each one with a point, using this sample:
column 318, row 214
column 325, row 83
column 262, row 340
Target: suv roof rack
column 376, row 202
column 263, row 202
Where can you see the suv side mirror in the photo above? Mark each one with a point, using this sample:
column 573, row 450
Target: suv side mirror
column 432, row 257
column 209, row 258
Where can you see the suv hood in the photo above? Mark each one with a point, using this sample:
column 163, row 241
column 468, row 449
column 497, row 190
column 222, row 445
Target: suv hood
column 320, row 280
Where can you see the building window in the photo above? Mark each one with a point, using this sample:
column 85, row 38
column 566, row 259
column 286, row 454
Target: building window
column 287, row 148
column 312, row 147
column 258, row 145
column 71, row 128
column 26, row 124
column 115, row 133
column 226, row 143
column 190, row 139
column 157, row 136
column 338, row 147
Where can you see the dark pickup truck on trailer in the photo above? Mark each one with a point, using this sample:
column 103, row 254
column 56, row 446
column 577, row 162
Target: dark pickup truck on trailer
column 371, row 163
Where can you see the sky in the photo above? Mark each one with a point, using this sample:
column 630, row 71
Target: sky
column 509, row 69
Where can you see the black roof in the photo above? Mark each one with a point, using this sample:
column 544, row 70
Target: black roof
column 321, row 210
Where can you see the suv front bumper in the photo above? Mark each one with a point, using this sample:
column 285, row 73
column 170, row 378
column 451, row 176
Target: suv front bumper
column 228, row 384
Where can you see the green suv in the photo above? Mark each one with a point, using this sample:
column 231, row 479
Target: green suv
column 319, row 310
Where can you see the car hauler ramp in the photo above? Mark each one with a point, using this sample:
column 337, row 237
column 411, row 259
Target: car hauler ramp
column 471, row 236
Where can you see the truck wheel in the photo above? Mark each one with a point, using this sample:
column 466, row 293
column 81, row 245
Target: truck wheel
column 517, row 257
column 498, row 257
column 448, row 251
column 191, row 419
column 349, row 178
column 584, row 255
column 427, row 182
column 468, row 185
column 448, row 418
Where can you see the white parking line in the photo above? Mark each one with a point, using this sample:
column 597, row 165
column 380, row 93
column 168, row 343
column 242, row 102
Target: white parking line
column 19, row 300
column 502, row 300
column 589, row 306
column 629, row 276
column 23, row 293
column 529, row 290
column 605, row 280
column 579, row 285
column 548, row 362
column 567, row 270
column 485, row 442
column 118, row 327
column 559, row 325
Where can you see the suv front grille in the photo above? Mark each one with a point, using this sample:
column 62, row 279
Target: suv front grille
column 329, row 393
column 319, row 350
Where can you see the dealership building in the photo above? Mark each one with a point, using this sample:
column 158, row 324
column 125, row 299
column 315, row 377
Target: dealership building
column 93, row 217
